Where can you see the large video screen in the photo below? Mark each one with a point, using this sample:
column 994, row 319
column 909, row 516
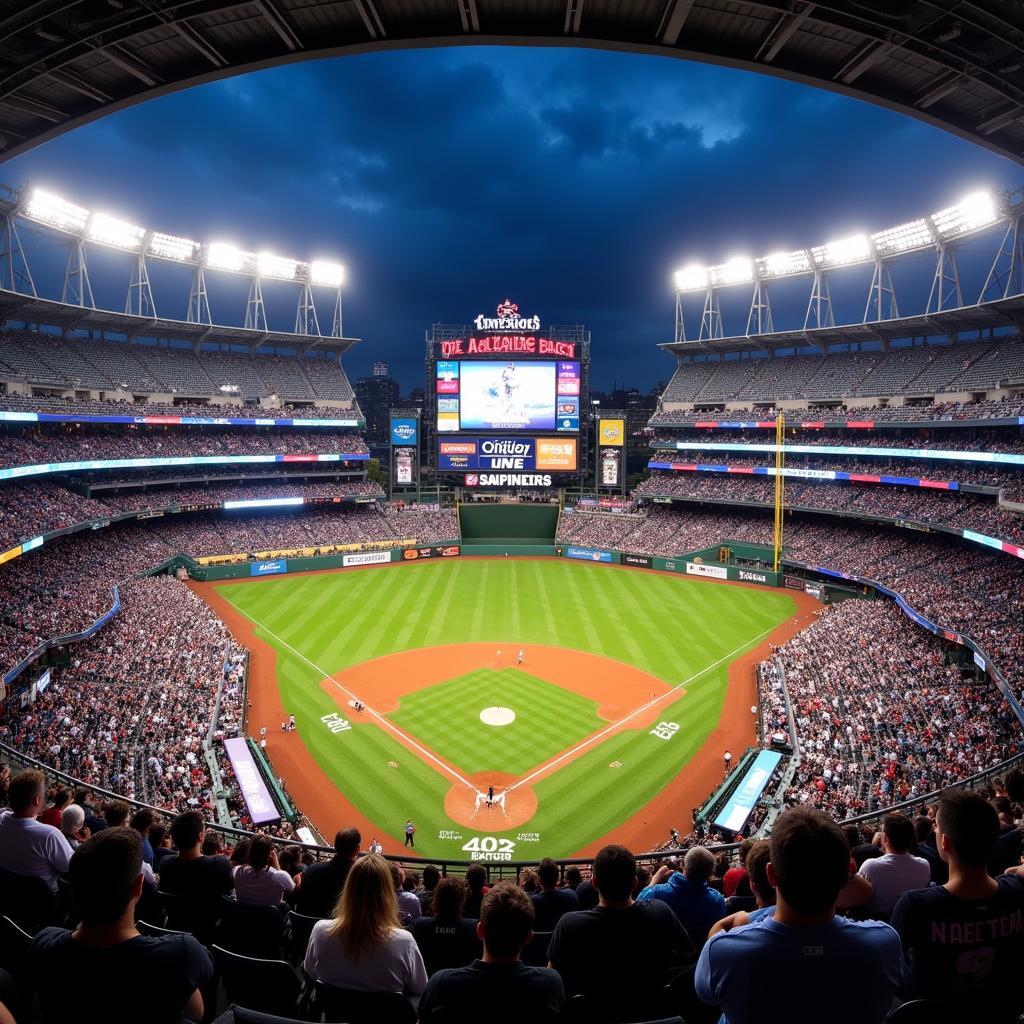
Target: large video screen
column 512, row 394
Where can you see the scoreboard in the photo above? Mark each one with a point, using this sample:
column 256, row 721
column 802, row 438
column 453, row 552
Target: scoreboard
column 506, row 399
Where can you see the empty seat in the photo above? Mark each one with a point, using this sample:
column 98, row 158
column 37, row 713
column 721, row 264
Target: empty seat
column 269, row 986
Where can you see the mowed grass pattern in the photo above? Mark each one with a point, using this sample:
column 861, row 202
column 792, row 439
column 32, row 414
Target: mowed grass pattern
column 446, row 717
column 679, row 629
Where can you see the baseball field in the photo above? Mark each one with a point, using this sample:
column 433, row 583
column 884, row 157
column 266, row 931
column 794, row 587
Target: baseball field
column 586, row 701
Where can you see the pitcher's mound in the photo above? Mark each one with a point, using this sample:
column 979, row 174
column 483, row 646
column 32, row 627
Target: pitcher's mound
column 497, row 716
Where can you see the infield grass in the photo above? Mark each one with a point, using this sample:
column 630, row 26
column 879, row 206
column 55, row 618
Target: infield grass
column 678, row 629
column 447, row 718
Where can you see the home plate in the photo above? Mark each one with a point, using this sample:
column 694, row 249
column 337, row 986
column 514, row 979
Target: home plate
column 497, row 716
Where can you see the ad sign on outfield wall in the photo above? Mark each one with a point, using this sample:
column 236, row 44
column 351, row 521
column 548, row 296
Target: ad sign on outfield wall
column 437, row 551
column 641, row 560
column 366, row 558
column 588, row 554
column 271, row 568
column 718, row 572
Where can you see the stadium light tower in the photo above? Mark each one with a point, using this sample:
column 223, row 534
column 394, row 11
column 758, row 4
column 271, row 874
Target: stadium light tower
column 327, row 274
column 15, row 273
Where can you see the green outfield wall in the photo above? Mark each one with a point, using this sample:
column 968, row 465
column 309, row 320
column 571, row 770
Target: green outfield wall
column 504, row 525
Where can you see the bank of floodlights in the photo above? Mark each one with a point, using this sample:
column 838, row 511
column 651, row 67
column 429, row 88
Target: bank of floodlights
column 976, row 212
column 101, row 228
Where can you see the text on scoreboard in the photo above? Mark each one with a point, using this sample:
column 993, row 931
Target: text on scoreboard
column 549, row 454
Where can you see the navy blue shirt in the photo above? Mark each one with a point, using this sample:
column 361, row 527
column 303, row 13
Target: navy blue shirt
column 498, row 993
column 152, row 978
column 968, row 950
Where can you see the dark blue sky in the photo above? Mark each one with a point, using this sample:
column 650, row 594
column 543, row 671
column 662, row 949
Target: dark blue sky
column 573, row 181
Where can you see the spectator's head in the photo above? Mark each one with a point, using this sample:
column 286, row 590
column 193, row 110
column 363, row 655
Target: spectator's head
column 528, row 880
column 1014, row 785
column 142, row 821
column 431, row 877
column 744, row 850
column 573, row 876
column 240, row 853
column 506, row 922
column 698, row 865
column 159, row 835
column 615, row 874
column 213, row 845
column 366, row 912
column 449, row 898
column 26, row 793
column 187, row 831
column 966, row 828
column 810, row 860
column 60, row 797
column 396, row 876
column 547, row 872
column 106, row 876
column 757, row 871
column 347, row 842
column 476, row 878
column 923, row 828
column 898, row 833
column 115, row 813
column 260, row 850
column 852, row 834
column 72, row 818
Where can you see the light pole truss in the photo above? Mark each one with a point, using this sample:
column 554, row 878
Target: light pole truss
column 979, row 215
column 81, row 229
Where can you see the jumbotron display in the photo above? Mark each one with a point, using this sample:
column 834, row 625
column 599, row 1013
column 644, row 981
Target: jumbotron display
column 511, row 395
column 509, row 400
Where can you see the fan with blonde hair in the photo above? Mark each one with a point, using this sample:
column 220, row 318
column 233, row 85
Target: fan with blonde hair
column 366, row 912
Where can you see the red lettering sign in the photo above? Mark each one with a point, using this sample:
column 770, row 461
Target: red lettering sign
column 507, row 344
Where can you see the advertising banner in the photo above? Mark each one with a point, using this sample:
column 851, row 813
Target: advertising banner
column 588, row 554
column 734, row 814
column 610, row 461
column 254, row 790
column 435, row 551
column 403, row 430
column 718, row 572
column 508, row 480
column 641, row 560
column 271, row 568
column 403, row 466
column 367, row 558
column 557, row 455
column 611, row 433
column 510, row 454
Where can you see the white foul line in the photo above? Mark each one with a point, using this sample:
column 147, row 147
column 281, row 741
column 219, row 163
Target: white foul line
column 547, row 766
column 376, row 714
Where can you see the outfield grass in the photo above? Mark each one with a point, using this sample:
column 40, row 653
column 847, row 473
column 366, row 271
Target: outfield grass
column 673, row 627
column 446, row 717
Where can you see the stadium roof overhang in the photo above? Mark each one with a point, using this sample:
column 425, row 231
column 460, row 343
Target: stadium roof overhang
column 46, row 312
column 949, row 323
column 957, row 64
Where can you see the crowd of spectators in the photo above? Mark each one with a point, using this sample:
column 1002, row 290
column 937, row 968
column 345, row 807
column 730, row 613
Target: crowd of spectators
column 933, row 411
column 883, row 713
column 71, row 442
column 61, row 406
column 903, row 915
column 132, row 709
column 959, row 509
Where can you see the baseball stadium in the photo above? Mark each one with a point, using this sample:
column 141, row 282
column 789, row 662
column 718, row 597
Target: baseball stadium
column 635, row 707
